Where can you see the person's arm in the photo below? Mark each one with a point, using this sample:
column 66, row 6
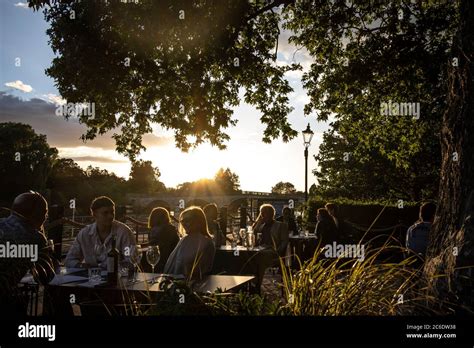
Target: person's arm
column 208, row 258
column 128, row 237
column 43, row 269
column 284, row 238
column 408, row 239
column 75, row 255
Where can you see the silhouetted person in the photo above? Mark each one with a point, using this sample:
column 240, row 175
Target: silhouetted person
column 344, row 230
column 163, row 234
column 211, row 212
column 23, row 229
column 418, row 233
column 288, row 218
column 194, row 255
column 326, row 230
column 274, row 238
column 83, row 250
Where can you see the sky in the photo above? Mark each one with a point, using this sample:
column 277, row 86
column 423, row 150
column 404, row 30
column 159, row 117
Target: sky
column 28, row 95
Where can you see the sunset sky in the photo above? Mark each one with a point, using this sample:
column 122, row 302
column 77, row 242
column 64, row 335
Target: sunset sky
column 27, row 95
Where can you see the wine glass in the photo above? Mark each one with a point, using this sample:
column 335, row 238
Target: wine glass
column 51, row 245
column 242, row 234
column 136, row 252
column 153, row 257
column 100, row 254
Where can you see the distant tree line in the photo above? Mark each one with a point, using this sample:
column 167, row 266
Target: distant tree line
column 27, row 162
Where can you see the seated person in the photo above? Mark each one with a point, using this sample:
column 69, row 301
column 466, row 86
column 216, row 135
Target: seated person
column 163, row 234
column 194, row 255
column 211, row 212
column 274, row 234
column 288, row 218
column 343, row 228
column 418, row 233
column 24, row 227
column 83, row 252
column 274, row 237
column 326, row 230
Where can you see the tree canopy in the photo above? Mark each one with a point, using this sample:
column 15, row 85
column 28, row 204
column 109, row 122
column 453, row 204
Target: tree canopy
column 177, row 64
column 144, row 177
column 26, row 160
column 283, row 188
column 367, row 53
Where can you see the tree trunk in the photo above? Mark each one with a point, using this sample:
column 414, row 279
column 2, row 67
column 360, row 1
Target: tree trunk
column 451, row 249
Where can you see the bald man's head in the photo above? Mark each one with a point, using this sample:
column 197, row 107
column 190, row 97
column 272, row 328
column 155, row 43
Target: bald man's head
column 31, row 206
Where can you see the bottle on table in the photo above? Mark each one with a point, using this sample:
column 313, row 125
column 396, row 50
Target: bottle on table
column 112, row 263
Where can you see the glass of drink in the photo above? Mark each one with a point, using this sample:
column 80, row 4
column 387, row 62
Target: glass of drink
column 242, row 233
column 153, row 257
column 95, row 275
column 250, row 240
column 100, row 254
column 51, row 245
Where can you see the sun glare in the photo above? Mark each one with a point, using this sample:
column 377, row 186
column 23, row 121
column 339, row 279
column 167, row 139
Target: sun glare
column 178, row 167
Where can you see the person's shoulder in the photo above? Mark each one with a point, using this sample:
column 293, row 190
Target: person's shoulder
column 121, row 227
column 86, row 230
column 171, row 229
column 280, row 223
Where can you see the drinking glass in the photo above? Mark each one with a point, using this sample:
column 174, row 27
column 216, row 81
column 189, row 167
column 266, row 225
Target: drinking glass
column 153, row 257
column 250, row 240
column 51, row 245
column 242, row 234
column 100, row 254
column 95, row 275
column 136, row 253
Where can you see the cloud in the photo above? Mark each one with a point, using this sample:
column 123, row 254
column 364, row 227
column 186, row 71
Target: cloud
column 20, row 86
column 21, row 5
column 53, row 98
column 40, row 115
column 97, row 159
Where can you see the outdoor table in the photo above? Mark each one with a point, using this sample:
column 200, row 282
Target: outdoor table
column 302, row 247
column 238, row 260
column 75, row 282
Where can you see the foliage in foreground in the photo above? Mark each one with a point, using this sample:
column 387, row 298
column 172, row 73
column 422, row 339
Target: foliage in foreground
column 322, row 287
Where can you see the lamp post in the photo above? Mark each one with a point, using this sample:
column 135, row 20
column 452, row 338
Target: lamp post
column 307, row 136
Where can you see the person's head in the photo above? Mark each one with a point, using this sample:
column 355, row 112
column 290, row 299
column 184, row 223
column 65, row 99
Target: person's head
column 193, row 221
column 158, row 217
column 103, row 210
column 332, row 208
column 267, row 212
column 286, row 212
column 31, row 206
column 427, row 212
column 323, row 215
column 211, row 211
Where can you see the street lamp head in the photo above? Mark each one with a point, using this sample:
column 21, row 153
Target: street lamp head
column 307, row 136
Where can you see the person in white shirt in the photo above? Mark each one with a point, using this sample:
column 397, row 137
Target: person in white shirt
column 193, row 257
column 94, row 241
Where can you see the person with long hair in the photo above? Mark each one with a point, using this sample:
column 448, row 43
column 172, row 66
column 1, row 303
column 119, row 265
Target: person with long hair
column 211, row 212
column 326, row 229
column 163, row 234
column 193, row 257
